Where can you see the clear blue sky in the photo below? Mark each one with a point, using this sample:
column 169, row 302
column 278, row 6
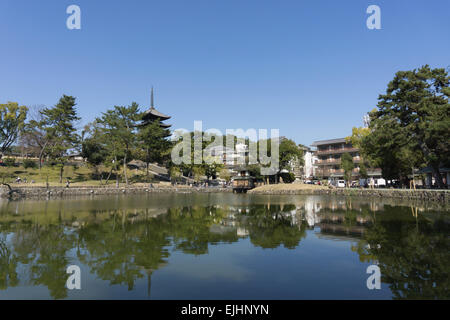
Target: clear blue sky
column 310, row 68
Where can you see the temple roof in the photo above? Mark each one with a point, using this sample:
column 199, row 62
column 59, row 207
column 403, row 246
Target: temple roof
column 148, row 121
column 153, row 113
column 165, row 125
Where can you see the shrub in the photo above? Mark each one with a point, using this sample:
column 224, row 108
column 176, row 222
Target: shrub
column 27, row 163
column 288, row 177
column 10, row 162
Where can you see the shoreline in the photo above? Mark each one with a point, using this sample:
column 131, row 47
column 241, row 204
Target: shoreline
column 441, row 196
column 27, row 192
column 59, row 192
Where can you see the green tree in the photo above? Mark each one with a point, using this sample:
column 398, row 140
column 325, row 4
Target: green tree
column 288, row 177
column 255, row 171
column 93, row 146
column 154, row 145
column 363, row 170
column 12, row 121
column 356, row 139
column 198, row 172
column 119, row 125
column 396, row 163
column 212, row 169
column 347, row 165
column 290, row 152
column 412, row 120
column 59, row 125
column 198, row 169
column 175, row 173
column 224, row 174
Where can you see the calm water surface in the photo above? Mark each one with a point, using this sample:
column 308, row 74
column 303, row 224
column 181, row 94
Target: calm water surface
column 223, row 246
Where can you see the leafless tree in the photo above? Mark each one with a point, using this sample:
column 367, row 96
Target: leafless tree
column 33, row 139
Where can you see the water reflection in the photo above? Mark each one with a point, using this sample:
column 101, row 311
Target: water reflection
column 125, row 240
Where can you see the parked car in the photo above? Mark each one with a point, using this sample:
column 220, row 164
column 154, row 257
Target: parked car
column 340, row 184
column 380, row 183
column 394, row 184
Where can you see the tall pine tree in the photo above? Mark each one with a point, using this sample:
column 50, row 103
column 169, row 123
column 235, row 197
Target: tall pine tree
column 59, row 125
column 413, row 118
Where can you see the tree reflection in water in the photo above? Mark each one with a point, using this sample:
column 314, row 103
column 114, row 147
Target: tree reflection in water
column 122, row 245
column 8, row 266
column 412, row 252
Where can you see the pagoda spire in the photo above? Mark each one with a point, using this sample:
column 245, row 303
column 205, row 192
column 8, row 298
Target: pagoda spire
column 152, row 114
column 152, row 106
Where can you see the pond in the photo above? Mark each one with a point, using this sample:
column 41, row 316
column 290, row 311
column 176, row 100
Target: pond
column 224, row 246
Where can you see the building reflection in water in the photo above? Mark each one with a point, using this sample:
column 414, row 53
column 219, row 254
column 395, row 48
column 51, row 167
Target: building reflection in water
column 123, row 245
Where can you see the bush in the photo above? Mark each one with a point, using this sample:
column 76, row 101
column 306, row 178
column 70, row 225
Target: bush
column 288, row 177
column 10, row 162
column 27, row 163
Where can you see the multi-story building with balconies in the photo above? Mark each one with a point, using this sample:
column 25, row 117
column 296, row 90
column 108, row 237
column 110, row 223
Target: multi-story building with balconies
column 328, row 163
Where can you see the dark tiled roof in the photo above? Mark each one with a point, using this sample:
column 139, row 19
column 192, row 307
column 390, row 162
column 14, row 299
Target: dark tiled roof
column 155, row 168
column 331, row 141
column 153, row 112
column 430, row 170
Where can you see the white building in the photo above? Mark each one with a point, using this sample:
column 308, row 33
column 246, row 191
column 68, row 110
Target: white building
column 309, row 168
column 229, row 156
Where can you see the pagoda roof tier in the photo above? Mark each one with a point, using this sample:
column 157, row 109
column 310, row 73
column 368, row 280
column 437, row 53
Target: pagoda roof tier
column 145, row 123
column 152, row 113
column 165, row 125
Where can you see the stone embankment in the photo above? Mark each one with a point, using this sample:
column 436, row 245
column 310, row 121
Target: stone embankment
column 279, row 189
column 421, row 194
column 57, row 192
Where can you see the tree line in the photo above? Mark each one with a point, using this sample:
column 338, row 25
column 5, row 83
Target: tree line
column 408, row 130
column 111, row 140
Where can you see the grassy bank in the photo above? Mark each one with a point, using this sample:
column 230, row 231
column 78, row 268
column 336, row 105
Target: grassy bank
column 77, row 175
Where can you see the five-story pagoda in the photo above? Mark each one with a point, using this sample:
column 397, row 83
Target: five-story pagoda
column 152, row 115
